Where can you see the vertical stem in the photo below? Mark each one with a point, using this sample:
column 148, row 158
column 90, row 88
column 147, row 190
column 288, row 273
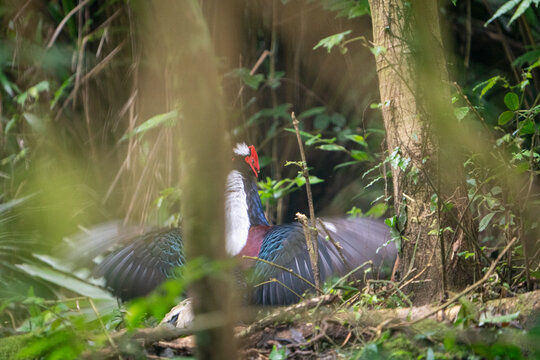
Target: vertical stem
column 311, row 237
column 180, row 28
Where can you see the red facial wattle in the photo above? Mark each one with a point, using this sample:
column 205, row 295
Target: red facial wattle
column 253, row 160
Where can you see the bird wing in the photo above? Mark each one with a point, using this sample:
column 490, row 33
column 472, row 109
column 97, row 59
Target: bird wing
column 284, row 246
column 140, row 266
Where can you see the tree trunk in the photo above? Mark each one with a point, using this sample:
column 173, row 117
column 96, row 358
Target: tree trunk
column 421, row 132
column 190, row 60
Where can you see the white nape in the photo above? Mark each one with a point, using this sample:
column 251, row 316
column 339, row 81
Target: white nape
column 236, row 214
column 242, row 149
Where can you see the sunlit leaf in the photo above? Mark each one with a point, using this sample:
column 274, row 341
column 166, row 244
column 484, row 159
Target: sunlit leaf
column 505, row 117
column 485, row 221
column 359, row 155
column 359, row 139
column 311, row 112
column 331, row 147
column 509, row 5
column 65, row 281
column 525, row 4
column 155, row 121
column 333, row 40
column 511, row 100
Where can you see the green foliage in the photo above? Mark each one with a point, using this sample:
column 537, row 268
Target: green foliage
column 331, row 41
column 167, row 119
column 523, row 6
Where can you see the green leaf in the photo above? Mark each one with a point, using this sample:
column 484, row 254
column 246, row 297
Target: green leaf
column 348, row 163
column 505, row 117
column 359, row 139
column 378, row 50
column 527, row 127
column 278, row 354
column 321, row 121
column 359, row 155
column 155, row 121
column 280, row 111
column 253, row 81
column 497, row 319
column 38, row 124
column 528, row 58
column 331, row 147
column 360, row 8
column 377, row 210
column 509, row 5
column 65, row 281
column 525, row 4
column 339, row 120
column 485, row 221
column 461, row 112
column 511, row 100
column 311, row 112
column 488, row 84
column 13, row 203
column 330, row 41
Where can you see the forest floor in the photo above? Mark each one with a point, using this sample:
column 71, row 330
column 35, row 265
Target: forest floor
column 327, row 328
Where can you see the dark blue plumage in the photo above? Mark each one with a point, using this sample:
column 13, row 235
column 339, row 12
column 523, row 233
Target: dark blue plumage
column 147, row 260
column 361, row 240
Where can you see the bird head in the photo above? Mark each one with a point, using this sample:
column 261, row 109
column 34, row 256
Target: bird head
column 249, row 155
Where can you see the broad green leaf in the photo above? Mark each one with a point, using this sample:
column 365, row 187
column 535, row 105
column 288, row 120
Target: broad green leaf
column 310, row 112
column 461, row 112
column 280, row 111
column 527, row 127
column 305, row 135
column 511, row 100
column 331, row 147
column 339, row 120
column 8, row 86
column 13, row 203
column 155, row 121
column 359, row 139
column 525, row 4
column 348, row 163
column 38, row 124
column 377, row 210
column 486, row 85
column 253, row 81
column 378, row 50
column 321, row 121
column 509, row 5
column 330, row 41
column 485, row 221
column 360, row 8
column 300, row 180
column 505, row 117
column 58, row 93
column 528, row 58
column 497, row 319
column 359, row 155
column 65, row 281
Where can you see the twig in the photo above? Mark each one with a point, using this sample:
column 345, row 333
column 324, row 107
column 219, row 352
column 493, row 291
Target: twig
column 337, row 245
column 111, row 341
column 468, row 288
column 311, row 239
column 274, row 280
column 64, row 21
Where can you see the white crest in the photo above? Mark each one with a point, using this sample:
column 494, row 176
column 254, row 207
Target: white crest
column 236, row 213
column 242, row 149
